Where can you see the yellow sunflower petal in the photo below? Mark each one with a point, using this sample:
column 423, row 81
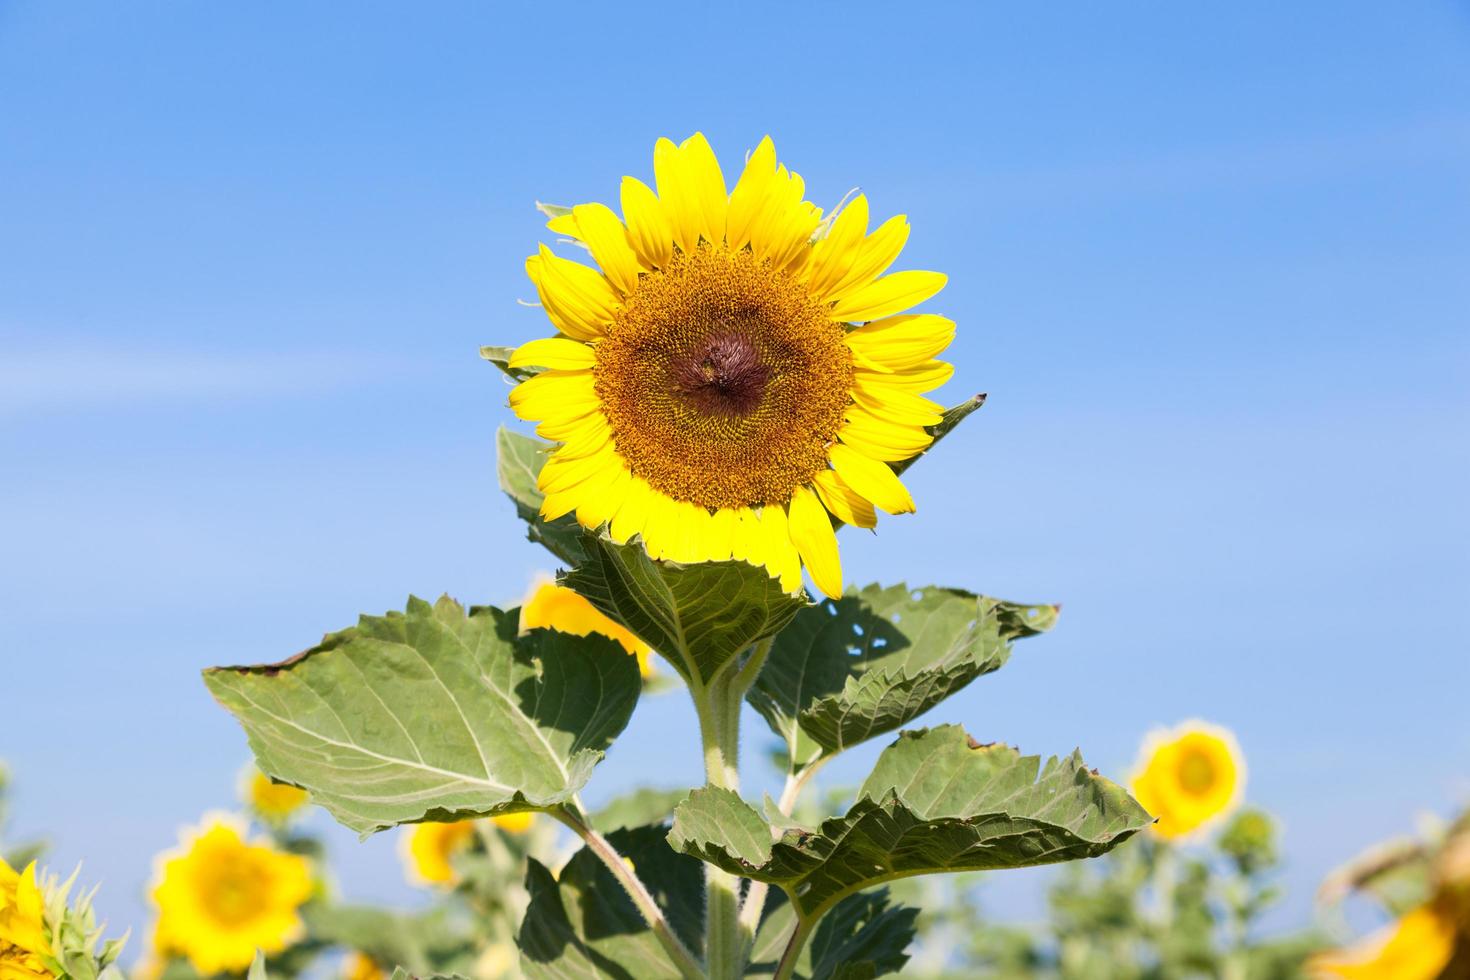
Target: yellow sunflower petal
column 591, row 436
column 598, row 508
column 783, row 234
column 1418, row 947
column 899, row 342
column 880, row 438
column 562, row 474
column 606, row 237
column 566, row 225
column 632, row 514
column 706, row 185
column 660, row 527
column 895, row 404
column 648, row 228
column 576, row 298
column 745, row 545
column 872, row 479
column 781, row 557
column 919, row 378
column 811, row 532
column 752, row 194
column 875, row 254
column 846, row 504
column 892, row 294
column 554, row 395
column 691, row 190
column 720, row 540
column 557, row 353
column 833, row 256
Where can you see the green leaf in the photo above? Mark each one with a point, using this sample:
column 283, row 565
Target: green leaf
column 434, row 715
column 583, row 924
column 257, row 968
column 642, row 806
column 936, row 801
column 518, row 461
column 865, row 935
column 952, row 417
column 700, row 617
column 864, row 665
column 424, row 944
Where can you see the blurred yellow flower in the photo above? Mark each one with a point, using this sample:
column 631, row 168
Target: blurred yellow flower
column 552, row 606
column 429, row 849
column 25, row 950
column 220, row 898
column 1417, row 947
column 1189, row 776
column 360, row 966
column 272, row 801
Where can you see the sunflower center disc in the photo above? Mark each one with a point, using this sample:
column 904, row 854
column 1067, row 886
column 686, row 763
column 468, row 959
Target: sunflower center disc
column 724, row 382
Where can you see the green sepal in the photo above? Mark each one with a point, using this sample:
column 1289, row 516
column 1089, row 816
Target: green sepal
column 700, row 617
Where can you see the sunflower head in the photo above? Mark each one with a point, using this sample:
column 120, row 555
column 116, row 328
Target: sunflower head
column 429, row 849
column 361, row 966
column 273, row 802
column 1188, row 777
column 221, row 897
column 25, row 945
column 552, row 606
column 736, row 372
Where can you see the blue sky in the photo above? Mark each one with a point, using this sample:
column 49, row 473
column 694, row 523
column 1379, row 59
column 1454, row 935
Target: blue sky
column 1209, row 264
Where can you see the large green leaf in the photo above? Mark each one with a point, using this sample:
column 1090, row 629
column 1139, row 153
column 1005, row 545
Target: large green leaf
column 936, row 801
column 583, row 924
column 851, row 669
column 518, row 461
column 700, row 617
column 434, row 715
column 865, row 935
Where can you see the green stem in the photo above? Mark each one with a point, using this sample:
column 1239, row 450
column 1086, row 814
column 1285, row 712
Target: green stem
column 755, row 898
column 679, row 954
column 718, row 708
column 786, row 965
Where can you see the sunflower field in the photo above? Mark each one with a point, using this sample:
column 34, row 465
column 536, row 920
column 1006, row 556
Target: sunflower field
column 732, row 380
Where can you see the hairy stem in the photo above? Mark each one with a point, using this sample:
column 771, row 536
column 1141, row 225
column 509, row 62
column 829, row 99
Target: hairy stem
column 718, row 707
column 786, row 965
column 755, row 898
column 679, row 954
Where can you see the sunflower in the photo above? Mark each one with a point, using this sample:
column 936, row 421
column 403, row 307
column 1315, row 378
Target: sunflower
column 735, row 372
column 25, row 950
column 553, row 606
column 220, row 898
column 273, row 802
column 1417, row 947
column 1188, row 777
column 429, row 848
column 361, row 966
